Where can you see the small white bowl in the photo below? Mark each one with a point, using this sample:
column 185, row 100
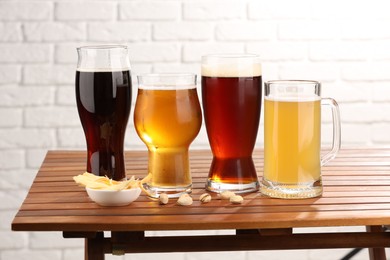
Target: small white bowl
column 112, row 197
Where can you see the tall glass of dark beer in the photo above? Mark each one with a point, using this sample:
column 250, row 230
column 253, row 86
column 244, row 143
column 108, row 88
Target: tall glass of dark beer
column 231, row 96
column 103, row 94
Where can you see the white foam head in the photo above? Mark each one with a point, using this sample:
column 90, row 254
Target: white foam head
column 231, row 65
column 167, row 81
column 103, row 58
column 293, row 98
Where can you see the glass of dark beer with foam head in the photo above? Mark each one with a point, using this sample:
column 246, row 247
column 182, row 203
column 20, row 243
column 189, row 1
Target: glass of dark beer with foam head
column 103, row 95
column 231, row 96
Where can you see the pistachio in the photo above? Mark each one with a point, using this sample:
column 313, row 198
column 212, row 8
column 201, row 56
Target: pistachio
column 205, row 198
column 184, row 200
column 225, row 195
column 236, row 199
column 163, row 199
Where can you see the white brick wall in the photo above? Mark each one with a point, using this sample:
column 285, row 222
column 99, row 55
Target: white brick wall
column 345, row 44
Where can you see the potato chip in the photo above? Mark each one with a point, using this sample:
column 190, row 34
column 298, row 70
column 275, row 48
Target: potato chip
column 104, row 183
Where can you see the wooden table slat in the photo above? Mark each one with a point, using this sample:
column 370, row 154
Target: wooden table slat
column 356, row 191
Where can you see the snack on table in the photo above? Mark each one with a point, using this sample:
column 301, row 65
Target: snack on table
column 103, row 183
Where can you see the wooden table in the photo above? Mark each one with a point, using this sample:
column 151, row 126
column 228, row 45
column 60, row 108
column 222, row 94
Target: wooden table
column 356, row 193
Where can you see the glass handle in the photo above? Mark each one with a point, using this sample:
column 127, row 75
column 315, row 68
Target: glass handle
column 336, row 130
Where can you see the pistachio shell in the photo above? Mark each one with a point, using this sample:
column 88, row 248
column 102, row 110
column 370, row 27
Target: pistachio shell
column 184, row 200
column 236, row 199
column 225, row 195
column 163, row 199
column 205, row 198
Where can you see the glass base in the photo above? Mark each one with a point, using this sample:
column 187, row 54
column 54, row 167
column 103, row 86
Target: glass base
column 172, row 192
column 236, row 188
column 291, row 191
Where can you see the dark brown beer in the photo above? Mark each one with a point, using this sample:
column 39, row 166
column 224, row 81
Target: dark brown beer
column 232, row 108
column 103, row 102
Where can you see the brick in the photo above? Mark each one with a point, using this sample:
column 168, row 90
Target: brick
column 31, row 10
column 51, row 240
column 214, row 10
column 71, row 137
column 177, row 68
column 240, row 31
column 367, row 29
column 12, row 199
column 370, row 71
column 6, row 217
column 138, row 68
column 10, row 74
column 10, row 159
column 325, row 72
column 25, row 53
column 313, row 30
column 54, row 32
column 280, row 9
column 270, row 71
column 361, row 113
column 66, row 96
column 49, row 74
column 193, row 52
column 32, row 254
column 72, row 254
column 66, row 53
column 182, row 31
column 380, row 91
column 11, row 32
column 34, row 157
column 340, row 51
column 380, row 50
column 13, row 96
column 380, row 133
column 119, row 31
column 85, row 11
column 13, row 179
column 351, row 133
column 346, row 92
column 51, row 117
column 13, row 240
column 13, row 116
column 154, row 52
column 149, row 10
column 27, row 137
column 278, row 51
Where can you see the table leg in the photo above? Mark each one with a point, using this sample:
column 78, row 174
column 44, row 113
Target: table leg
column 94, row 247
column 377, row 253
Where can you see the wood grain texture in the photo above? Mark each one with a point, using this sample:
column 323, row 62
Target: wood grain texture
column 356, row 192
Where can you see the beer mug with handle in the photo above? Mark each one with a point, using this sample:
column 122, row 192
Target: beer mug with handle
column 292, row 138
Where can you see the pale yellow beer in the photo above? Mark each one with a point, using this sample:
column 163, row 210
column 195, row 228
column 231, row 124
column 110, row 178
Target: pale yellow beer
column 167, row 121
column 292, row 140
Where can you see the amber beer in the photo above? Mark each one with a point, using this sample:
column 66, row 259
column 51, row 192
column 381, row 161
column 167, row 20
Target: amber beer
column 167, row 119
column 231, row 94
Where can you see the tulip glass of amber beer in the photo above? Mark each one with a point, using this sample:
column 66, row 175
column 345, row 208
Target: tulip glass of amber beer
column 167, row 118
column 103, row 94
column 292, row 139
column 231, row 96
